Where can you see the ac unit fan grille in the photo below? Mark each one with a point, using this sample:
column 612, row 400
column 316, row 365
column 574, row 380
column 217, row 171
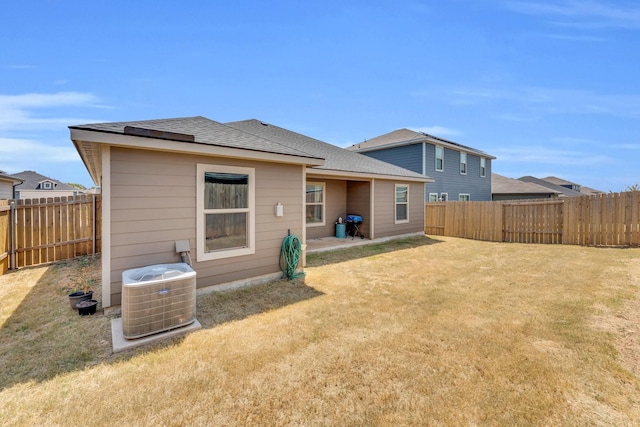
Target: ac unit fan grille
column 158, row 307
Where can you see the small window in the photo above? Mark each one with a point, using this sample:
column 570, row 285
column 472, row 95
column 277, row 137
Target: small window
column 444, row 197
column 47, row 185
column 433, row 197
column 464, row 197
column 315, row 203
column 402, row 203
column 483, row 167
column 463, row 163
column 226, row 223
column 439, row 158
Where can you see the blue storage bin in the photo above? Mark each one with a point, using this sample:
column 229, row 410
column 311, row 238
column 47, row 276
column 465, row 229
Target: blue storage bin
column 341, row 231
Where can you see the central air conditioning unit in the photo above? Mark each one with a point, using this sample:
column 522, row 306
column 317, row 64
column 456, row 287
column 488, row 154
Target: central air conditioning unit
column 157, row 298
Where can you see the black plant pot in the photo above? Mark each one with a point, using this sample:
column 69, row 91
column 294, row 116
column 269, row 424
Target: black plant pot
column 87, row 307
column 79, row 296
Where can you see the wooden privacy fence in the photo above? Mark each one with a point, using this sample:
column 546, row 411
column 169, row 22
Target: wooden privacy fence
column 37, row 231
column 600, row 220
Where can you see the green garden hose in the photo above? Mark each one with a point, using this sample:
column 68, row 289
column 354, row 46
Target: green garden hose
column 290, row 256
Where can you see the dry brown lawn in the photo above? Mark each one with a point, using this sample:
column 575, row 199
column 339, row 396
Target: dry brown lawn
column 415, row 332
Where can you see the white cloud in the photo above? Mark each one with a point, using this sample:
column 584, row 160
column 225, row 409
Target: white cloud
column 18, row 150
column 535, row 101
column 586, row 14
column 17, row 112
column 548, row 156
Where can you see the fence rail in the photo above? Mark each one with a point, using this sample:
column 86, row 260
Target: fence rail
column 37, row 231
column 600, row 220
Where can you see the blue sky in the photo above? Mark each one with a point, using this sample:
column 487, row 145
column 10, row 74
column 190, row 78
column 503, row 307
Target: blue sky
column 549, row 87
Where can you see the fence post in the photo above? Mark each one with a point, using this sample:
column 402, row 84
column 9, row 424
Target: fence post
column 12, row 238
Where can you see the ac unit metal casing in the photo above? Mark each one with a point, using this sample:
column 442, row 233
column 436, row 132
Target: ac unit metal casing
column 157, row 298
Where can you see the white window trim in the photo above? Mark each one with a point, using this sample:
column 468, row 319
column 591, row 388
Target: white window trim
column 323, row 204
column 201, row 224
column 462, row 154
column 446, row 197
column 460, row 195
column 395, row 204
column 435, row 157
column 47, row 185
column 435, row 196
column 483, row 169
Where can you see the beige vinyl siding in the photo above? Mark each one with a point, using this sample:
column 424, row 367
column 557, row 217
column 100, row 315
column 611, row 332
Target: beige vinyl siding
column 6, row 190
column 385, row 209
column 358, row 203
column 153, row 204
column 335, row 206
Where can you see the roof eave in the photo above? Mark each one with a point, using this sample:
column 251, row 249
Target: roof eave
column 365, row 175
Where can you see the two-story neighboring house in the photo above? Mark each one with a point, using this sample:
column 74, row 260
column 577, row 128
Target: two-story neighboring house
column 460, row 172
column 35, row 186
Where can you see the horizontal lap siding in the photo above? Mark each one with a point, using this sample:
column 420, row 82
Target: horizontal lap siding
column 335, row 207
column 153, row 204
column 385, row 209
column 359, row 203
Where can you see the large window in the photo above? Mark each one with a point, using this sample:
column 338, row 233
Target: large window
column 402, row 203
column 315, row 203
column 463, row 163
column 226, row 223
column 439, row 158
column 483, row 167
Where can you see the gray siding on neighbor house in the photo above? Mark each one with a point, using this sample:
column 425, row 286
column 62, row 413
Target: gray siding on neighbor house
column 406, row 156
column 450, row 180
column 153, row 204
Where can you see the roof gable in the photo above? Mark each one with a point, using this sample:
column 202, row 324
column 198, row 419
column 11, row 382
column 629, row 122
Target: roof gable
column 33, row 181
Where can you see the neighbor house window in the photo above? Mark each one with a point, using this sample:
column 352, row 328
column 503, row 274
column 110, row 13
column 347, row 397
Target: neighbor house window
column 463, row 163
column 433, row 197
column 464, row 197
column 226, row 211
column 444, row 197
column 402, row 203
column 315, row 203
column 439, row 158
column 47, row 185
column 483, row 166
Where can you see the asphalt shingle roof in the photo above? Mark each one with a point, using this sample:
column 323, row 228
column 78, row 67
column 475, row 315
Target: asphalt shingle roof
column 32, row 179
column 503, row 185
column 564, row 192
column 205, row 131
column 336, row 158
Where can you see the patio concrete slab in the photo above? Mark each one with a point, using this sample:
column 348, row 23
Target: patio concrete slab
column 332, row 243
column 120, row 343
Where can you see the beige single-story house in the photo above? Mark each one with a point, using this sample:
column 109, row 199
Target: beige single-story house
column 233, row 191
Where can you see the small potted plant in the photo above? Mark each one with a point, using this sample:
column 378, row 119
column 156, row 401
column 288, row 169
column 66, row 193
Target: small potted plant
column 82, row 288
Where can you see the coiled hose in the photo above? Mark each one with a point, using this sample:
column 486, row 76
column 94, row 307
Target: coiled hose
column 290, row 257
